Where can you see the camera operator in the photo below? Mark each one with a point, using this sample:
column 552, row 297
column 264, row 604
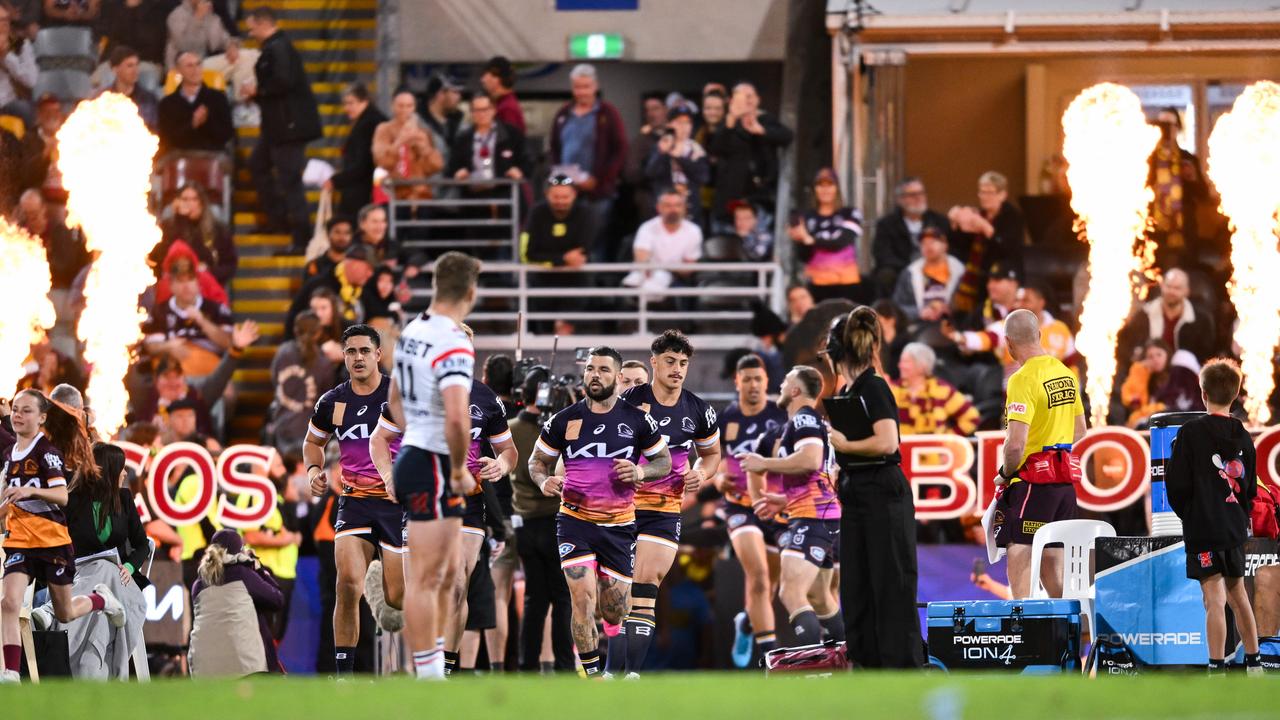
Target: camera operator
column 535, row 525
column 877, row 525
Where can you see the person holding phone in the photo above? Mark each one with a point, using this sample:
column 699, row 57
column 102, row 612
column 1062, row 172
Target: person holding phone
column 826, row 240
column 877, row 522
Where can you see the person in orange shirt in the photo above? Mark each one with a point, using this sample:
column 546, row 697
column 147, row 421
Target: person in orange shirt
column 403, row 147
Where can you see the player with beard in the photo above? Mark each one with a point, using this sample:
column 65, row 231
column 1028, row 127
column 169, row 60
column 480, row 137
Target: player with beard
column 601, row 439
column 369, row 522
column 808, row 499
column 687, row 423
column 742, row 425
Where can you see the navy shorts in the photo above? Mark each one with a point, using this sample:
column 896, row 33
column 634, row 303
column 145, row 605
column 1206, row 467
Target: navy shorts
column 380, row 522
column 1024, row 507
column 55, row 565
column 422, row 486
column 813, row 540
column 662, row 528
column 610, row 548
column 740, row 518
column 1227, row 563
column 473, row 519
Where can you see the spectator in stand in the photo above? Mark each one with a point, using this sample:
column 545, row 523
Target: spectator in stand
column 181, row 424
column 331, row 311
column 1055, row 336
column 341, row 236
column 384, row 250
column 669, row 240
column 194, row 116
column 994, row 232
column 589, row 142
column 926, row 404
column 195, row 28
column 499, row 82
column 169, row 384
column 384, row 298
column 1180, row 188
column 893, row 329
column 139, row 24
column 124, row 62
column 485, row 150
column 757, row 242
column 799, row 303
column 403, row 147
column 48, row 368
column 13, row 166
column 290, row 120
column 82, row 13
column 188, row 327
column 232, row 591
column 1172, row 318
column 17, row 67
column 236, row 68
column 1001, row 298
column 714, row 104
column 826, row 240
column 354, row 182
column 1161, row 381
column 193, row 221
column 933, row 276
column 65, row 248
column 653, row 127
column 559, row 232
column 178, row 251
column 443, row 118
column 746, row 152
column 42, row 167
column 898, row 240
column 679, row 163
column 347, row 281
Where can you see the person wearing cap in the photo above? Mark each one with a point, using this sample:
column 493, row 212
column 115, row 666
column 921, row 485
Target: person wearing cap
column 678, row 162
column 826, row 240
column 933, row 276
column 746, row 152
column 898, row 236
column 498, row 78
column 233, row 593
column 354, row 182
column 589, row 141
column 1000, row 299
column 347, row 280
column 443, row 118
column 558, row 234
column 995, row 231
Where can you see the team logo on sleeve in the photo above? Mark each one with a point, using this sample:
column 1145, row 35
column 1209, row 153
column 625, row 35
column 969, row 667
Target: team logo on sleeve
column 625, row 431
column 565, row 549
column 653, row 424
column 711, row 417
column 687, row 425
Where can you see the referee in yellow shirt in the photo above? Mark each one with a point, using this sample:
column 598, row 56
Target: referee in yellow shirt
column 1045, row 417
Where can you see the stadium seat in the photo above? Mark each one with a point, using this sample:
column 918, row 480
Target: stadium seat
column 212, row 78
column 66, row 48
column 723, row 248
column 1077, row 538
column 211, row 171
column 68, row 85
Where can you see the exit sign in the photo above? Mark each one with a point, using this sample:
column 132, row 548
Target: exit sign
column 595, row 46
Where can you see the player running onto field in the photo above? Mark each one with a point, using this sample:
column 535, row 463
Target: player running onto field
column 601, row 439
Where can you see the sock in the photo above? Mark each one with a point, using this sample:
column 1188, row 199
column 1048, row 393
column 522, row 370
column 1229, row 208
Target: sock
column 808, row 629
column 97, row 601
column 450, row 662
column 764, row 642
column 590, row 662
column 616, row 648
column 640, row 624
column 427, row 665
column 546, row 667
column 834, row 625
column 1217, row 667
column 495, row 667
column 1254, row 660
column 344, row 659
column 12, row 657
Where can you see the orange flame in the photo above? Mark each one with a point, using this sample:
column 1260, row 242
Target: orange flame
column 25, row 269
column 1107, row 141
column 105, row 154
column 1244, row 162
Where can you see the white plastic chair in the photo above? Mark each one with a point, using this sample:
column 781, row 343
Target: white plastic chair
column 1077, row 538
column 140, row 666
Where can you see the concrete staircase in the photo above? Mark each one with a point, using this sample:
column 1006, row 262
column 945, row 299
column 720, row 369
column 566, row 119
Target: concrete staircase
column 337, row 40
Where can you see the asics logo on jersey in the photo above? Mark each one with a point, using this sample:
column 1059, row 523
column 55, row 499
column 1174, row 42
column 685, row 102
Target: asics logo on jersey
column 598, row 450
column 362, row 410
column 625, row 431
column 599, row 429
column 687, row 425
column 751, row 428
column 355, row 432
column 665, row 422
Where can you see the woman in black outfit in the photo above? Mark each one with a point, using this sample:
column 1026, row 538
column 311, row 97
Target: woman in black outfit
column 101, row 516
column 877, row 525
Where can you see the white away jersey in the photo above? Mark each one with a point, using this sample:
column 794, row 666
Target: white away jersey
column 432, row 354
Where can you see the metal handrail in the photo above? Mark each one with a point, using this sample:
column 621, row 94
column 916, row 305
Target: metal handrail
column 510, row 200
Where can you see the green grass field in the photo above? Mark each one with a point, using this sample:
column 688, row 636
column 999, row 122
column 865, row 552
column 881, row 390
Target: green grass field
column 671, row 697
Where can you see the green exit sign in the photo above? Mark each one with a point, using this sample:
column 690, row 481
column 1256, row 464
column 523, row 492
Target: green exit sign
column 595, row 46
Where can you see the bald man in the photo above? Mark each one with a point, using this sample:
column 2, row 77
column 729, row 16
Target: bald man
column 1045, row 417
column 1173, row 318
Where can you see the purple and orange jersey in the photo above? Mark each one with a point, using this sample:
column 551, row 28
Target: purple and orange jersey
column 35, row 523
column 740, row 434
column 590, row 443
column 353, row 418
column 688, row 424
column 809, row 495
column 488, row 426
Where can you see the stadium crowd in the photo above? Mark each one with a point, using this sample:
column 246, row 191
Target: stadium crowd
column 697, row 178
